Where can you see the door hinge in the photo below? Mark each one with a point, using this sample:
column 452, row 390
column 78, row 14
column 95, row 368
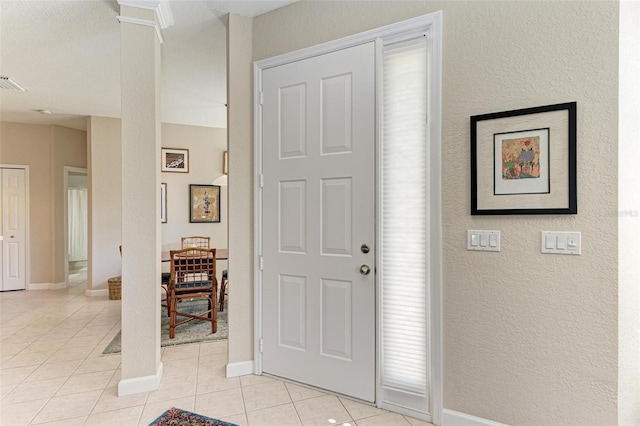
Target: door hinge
column 261, row 97
column 261, row 345
column 261, row 262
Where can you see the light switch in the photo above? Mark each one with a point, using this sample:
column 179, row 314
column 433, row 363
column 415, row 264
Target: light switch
column 549, row 241
column 560, row 242
column 483, row 240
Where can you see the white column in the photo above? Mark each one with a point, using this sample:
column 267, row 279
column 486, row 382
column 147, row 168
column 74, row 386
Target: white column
column 141, row 240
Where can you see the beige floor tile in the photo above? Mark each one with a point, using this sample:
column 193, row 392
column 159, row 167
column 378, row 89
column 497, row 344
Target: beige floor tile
column 180, row 352
column 7, row 348
column 21, row 413
column 5, row 389
column 57, row 369
column 384, row 420
column 4, row 358
column 238, row 419
column 358, row 410
column 86, row 382
column 68, row 406
column 417, row 422
column 265, row 395
column 208, row 382
column 82, row 341
column 213, row 348
column 322, row 411
column 70, row 353
column 298, row 393
column 91, row 365
column 153, row 410
column 75, row 421
column 45, row 345
column 98, row 330
column 220, row 404
column 32, row 358
column 60, row 333
column 16, row 375
column 177, row 368
column 30, row 391
column 123, row 416
column 174, row 387
column 109, row 400
column 252, row 379
column 281, row 415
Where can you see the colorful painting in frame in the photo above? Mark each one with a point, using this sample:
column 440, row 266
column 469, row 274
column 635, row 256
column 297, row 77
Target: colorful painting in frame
column 524, row 161
column 521, row 162
column 175, row 160
column 204, row 203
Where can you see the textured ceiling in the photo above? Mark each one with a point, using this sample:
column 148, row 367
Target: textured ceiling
column 67, row 55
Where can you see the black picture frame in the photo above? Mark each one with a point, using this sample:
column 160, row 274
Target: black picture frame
column 506, row 181
column 204, row 203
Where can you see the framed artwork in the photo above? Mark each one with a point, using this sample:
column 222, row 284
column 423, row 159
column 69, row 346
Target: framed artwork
column 225, row 163
column 204, row 203
column 163, row 203
column 175, row 160
column 524, row 161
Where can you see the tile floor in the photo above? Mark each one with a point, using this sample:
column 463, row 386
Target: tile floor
column 52, row 372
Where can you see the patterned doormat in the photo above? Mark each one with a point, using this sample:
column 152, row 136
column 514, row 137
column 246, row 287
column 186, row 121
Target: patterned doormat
column 191, row 332
column 177, row 417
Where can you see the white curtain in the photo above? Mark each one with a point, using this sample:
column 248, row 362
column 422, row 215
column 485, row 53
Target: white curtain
column 77, row 209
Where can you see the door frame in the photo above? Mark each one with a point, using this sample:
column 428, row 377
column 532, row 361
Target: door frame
column 431, row 24
column 27, row 213
column 67, row 171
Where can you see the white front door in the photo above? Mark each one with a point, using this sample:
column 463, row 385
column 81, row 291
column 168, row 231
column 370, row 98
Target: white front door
column 319, row 221
column 13, row 230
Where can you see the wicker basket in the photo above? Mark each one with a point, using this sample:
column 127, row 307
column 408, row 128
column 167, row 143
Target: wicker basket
column 115, row 288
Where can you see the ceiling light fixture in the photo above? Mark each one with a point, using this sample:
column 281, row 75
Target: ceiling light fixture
column 44, row 111
column 7, row 83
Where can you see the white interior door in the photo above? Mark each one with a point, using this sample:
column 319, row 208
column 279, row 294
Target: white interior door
column 13, row 229
column 318, row 211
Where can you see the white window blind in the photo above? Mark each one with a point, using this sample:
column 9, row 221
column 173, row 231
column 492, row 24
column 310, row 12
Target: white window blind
column 405, row 316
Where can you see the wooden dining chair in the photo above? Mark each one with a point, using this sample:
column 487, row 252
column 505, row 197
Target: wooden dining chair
column 196, row 241
column 193, row 276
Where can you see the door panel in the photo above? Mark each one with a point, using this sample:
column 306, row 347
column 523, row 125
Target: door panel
column 318, row 208
column 13, row 229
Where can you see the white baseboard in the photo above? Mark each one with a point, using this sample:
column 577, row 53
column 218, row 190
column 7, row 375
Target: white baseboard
column 240, row 369
column 455, row 418
column 96, row 293
column 46, row 286
column 140, row 384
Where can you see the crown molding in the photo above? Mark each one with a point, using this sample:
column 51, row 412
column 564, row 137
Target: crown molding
column 144, row 22
column 161, row 7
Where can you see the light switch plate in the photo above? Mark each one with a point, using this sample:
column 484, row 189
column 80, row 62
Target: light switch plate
column 560, row 242
column 483, row 240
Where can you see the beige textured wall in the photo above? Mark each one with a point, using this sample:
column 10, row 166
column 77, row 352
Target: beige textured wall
column 528, row 338
column 105, row 201
column 69, row 149
column 239, row 116
column 31, row 144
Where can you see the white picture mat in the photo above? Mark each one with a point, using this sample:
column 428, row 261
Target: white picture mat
column 558, row 198
column 181, row 168
column 538, row 185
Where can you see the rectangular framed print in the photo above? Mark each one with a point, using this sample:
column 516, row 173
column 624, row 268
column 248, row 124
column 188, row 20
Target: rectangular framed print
column 175, row 160
column 524, row 161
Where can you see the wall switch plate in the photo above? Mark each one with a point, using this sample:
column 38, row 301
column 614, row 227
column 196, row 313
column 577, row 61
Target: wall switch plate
column 560, row 242
column 483, row 240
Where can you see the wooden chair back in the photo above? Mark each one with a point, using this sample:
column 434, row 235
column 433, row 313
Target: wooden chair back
column 196, row 241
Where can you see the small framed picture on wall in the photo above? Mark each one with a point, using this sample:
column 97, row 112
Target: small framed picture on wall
column 175, row 160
